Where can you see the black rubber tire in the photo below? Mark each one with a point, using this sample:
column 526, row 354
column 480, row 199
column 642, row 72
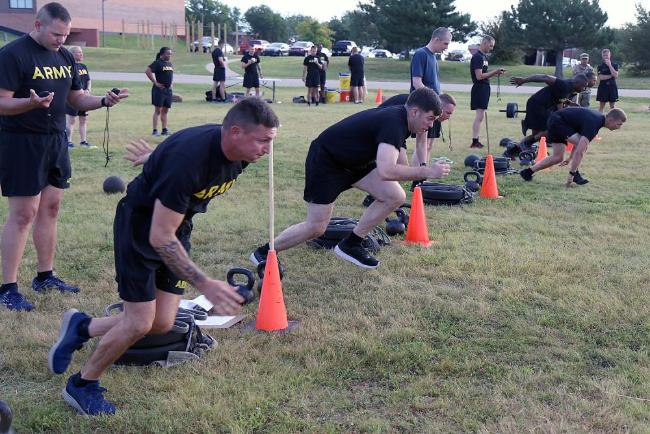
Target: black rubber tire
column 512, row 108
column 441, row 192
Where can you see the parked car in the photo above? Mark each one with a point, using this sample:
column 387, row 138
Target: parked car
column 259, row 44
column 327, row 52
column 276, row 49
column 367, row 52
column 456, row 56
column 381, row 53
column 343, row 48
column 300, row 48
column 402, row 54
column 206, row 44
column 227, row 49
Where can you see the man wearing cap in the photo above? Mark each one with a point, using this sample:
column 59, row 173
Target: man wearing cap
column 583, row 68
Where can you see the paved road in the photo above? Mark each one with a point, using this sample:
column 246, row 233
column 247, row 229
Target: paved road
column 293, row 82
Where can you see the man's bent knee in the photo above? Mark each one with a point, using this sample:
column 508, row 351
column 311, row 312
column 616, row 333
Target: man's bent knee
column 23, row 217
column 161, row 326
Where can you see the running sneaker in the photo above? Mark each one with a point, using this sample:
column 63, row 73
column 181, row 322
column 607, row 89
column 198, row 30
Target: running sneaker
column 88, row 400
column 527, row 174
column 578, row 179
column 52, row 282
column 69, row 341
column 356, row 254
column 14, row 300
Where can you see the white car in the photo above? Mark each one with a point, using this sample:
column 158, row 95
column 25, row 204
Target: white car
column 383, row 54
column 208, row 46
column 367, row 52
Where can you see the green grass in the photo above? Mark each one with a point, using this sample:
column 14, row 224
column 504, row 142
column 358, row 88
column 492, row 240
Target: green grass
column 529, row 313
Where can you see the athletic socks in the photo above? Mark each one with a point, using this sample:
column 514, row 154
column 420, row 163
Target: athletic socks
column 42, row 275
column 352, row 239
column 474, row 141
column 264, row 250
column 80, row 382
column 82, row 328
column 8, row 287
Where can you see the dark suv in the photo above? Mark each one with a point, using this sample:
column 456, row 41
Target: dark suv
column 342, row 48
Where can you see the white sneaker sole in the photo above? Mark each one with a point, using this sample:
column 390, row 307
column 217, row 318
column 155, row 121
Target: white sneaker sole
column 65, row 322
column 341, row 254
column 254, row 259
column 72, row 402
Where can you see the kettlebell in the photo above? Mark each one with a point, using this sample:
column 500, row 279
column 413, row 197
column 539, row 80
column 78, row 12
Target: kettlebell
column 402, row 216
column 261, row 268
column 114, row 184
column 245, row 290
column 115, row 90
column 397, row 226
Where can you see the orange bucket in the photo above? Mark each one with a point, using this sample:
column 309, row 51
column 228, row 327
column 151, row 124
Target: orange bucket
column 344, row 96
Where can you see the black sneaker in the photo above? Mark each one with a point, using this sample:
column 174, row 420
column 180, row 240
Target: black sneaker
column 527, row 174
column 258, row 256
column 165, row 132
column 476, row 145
column 578, row 179
column 358, row 255
column 416, row 183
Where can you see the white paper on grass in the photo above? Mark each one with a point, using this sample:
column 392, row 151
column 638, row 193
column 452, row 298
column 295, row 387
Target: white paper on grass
column 200, row 301
column 213, row 321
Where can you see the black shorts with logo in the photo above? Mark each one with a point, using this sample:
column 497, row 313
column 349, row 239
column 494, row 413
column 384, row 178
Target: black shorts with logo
column 219, row 74
column 480, row 96
column 434, row 131
column 139, row 270
column 325, row 179
column 71, row 111
column 30, row 162
column 161, row 97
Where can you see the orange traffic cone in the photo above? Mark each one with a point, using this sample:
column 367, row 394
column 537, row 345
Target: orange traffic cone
column 378, row 98
column 569, row 146
column 417, row 232
column 271, row 314
column 489, row 189
column 542, row 152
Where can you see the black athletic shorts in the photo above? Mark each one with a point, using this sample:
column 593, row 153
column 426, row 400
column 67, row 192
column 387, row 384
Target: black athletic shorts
column 536, row 116
column 219, row 74
column 434, row 131
column 356, row 80
column 251, row 81
column 161, row 97
column 139, row 271
column 30, row 162
column 480, row 96
column 558, row 130
column 71, row 111
column 312, row 80
column 325, row 179
column 607, row 91
column 322, row 79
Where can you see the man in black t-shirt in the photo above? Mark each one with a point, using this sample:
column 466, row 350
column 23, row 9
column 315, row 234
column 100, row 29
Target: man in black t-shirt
column 250, row 62
column 219, row 74
column 37, row 78
column 71, row 113
column 367, row 151
column 311, row 75
column 607, row 88
column 579, row 126
column 547, row 100
column 161, row 74
column 357, row 76
column 480, row 94
column 152, row 229
column 325, row 61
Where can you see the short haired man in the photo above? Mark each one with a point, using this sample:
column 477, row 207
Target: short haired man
column 311, row 75
column 357, row 75
column 584, row 68
column 480, row 94
column 161, row 74
column 152, row 230
column 325, row 61
column 579, row 126
column 366, row 151
column 71, row 114
column 547, row 100
column 424, row 72
column 607, row 88
column 219, row 73
column 250, row 62
column 37, row 78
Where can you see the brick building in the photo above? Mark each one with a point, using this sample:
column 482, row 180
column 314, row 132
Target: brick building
column 18, row 15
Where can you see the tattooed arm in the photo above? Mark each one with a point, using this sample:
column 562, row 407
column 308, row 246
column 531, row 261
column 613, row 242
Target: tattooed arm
column 163, row 239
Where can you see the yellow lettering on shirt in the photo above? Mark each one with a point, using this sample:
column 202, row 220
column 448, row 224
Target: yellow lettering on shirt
column 181, row 284
column 215, row 190
column 167, row 68
column 48, row 72
column 200, row 194
column 38, row 73
column 69, row 69
column 83, row 72
column 60, row 72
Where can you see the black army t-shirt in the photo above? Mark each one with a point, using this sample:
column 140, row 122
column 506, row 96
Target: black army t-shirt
column 553, row 94
column 324, row 60
column 312, row 62
column 84, row 75
column 353, row 142
column 355, row 62
column 216, row 54
column 399, row 99
column 25, row 65
column 604, row 70
column 164, row 72
column 582, row 121
column 251, row 69
column 185, row 172
column 479, row 61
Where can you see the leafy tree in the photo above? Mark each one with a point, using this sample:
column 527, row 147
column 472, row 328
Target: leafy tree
column 507, row 34
column 211, row 11
column 312, row 30
column 634, row 42
column 404, row 24
column 266, row 23
column 293, row 22
column 560, row 24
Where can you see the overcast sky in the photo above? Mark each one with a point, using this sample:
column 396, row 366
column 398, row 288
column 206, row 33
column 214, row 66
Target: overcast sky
column 619, row 11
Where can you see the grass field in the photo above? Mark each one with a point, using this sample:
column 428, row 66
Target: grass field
column 529, row 314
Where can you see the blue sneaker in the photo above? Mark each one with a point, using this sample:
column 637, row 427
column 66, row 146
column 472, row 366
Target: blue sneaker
column 52, row 282
column 60, row 355
column 14, row 300
column 88, row 400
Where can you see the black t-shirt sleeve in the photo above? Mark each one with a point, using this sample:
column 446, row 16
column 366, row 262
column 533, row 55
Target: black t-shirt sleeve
column 393, row 133
column 305, row 62
column 476, row 63
column 10, row 77
column 175, row 181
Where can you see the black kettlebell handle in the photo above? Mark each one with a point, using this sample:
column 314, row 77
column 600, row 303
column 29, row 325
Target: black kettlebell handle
column 44, row 94
column 245, row 290
column 477, row 177
column 115, row 90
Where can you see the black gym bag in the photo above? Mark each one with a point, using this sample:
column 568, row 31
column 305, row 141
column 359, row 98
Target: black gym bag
column 434, row 193
column 184, row 342
column 340, row 227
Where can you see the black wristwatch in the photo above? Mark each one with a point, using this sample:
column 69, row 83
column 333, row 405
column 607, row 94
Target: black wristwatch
column 423, row 164
column 104, row 102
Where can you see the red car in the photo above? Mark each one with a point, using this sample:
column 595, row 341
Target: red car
column 259, row 44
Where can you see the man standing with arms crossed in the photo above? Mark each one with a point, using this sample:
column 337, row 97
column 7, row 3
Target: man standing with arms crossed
column 37, row 78
column 219, row 74
column 481, row 88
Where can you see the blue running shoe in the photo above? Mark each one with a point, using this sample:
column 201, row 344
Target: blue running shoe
column 14, row 300
column 60, row 354
column 53, row 282
column 88, row 400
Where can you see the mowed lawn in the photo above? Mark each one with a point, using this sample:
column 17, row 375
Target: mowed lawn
column 528, row 314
